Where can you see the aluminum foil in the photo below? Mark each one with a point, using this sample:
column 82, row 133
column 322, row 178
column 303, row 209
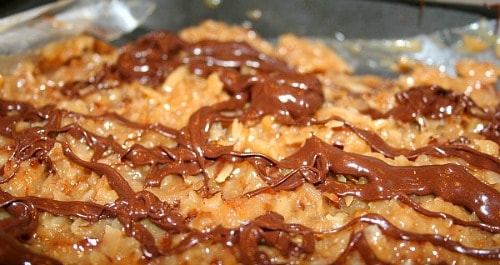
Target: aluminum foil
column 443, row 49
column 107, row 20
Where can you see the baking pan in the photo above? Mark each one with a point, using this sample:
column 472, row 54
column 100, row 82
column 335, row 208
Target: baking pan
column 366, row 19
column 351, row 18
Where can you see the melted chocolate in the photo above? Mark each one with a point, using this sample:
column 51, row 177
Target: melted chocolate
column 435, row 102
column 471, row 156
column 271, row 88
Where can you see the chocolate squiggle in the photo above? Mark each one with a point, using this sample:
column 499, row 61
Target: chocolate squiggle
column 471, row 156
column 435, row 102
column 271, row 88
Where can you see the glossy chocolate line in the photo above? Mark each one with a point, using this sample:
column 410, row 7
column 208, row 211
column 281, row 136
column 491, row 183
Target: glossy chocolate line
column 464, row 152
column 116, row 181
column 275, row 88
column 435, row 102
column 449, row 181
column 418, row 208
column 357, row 239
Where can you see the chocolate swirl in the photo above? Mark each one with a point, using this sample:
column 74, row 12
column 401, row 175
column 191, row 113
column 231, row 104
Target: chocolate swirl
column 270, row 88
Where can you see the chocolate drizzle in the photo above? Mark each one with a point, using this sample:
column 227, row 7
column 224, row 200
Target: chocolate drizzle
column 450, row 181
column 435, row 102
column 269, row 88
column 471, row 156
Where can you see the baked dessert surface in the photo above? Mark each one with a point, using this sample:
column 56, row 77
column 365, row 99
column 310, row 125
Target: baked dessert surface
column 212, row 146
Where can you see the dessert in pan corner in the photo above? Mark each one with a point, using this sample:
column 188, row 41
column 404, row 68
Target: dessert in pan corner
column 214, row 146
